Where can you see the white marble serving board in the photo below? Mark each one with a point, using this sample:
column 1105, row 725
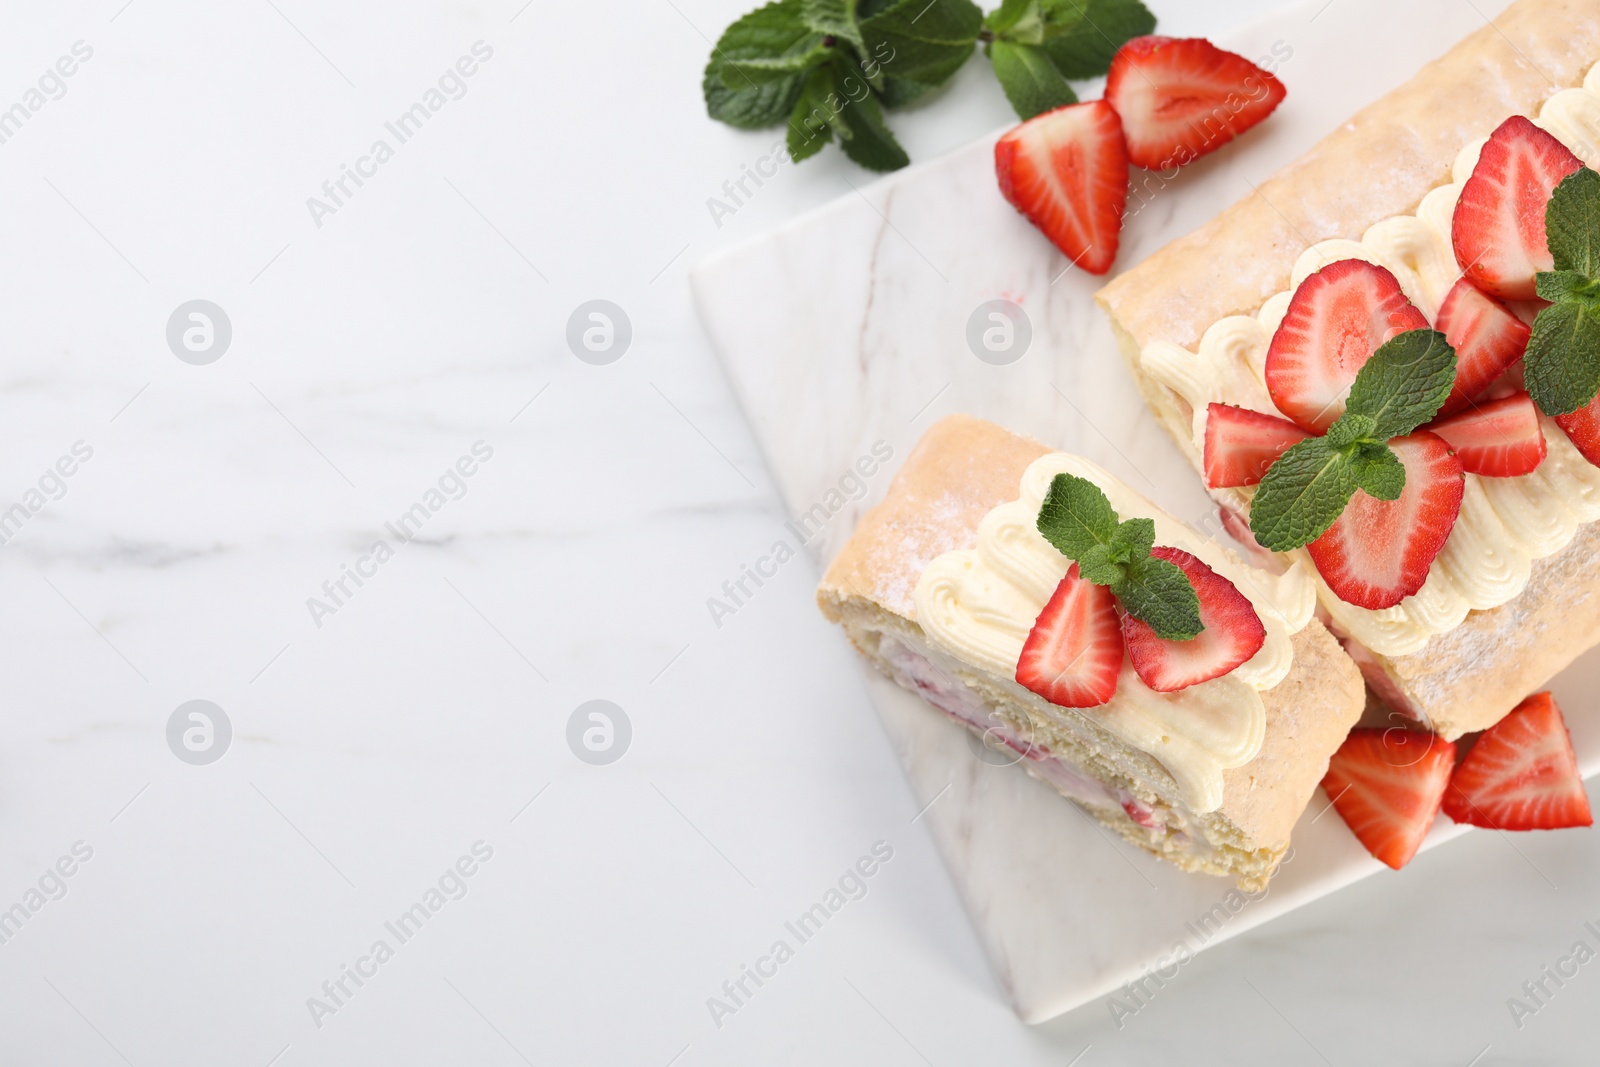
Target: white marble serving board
column 847, row 326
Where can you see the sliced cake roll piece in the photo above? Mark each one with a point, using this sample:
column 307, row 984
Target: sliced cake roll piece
column 1203, row 750
column 1412, row 215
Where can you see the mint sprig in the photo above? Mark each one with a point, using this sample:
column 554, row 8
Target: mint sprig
column 830, row 68
column 1079, row 521
column 1561, row 368
column 1305, row 491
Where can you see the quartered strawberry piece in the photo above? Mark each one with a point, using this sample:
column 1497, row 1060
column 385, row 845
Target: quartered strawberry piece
column 1497, row 438
column 1241, row 444
column 1498, row 230
column 1336, row 320
column 1487, row 338
column 1582, row 428
column 1233, row 632
column 1378, row 552
column 1074, row 653
column 1386, row 784
column 1180, row 98
column 1067, row 171
column 1522, row 774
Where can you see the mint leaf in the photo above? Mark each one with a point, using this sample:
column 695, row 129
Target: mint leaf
column 1572, row 223
column 1081, row 36
column 1098, row 566
column 1562, row 367
column 812, row 123
column 869, row 142
column 1350, row 428
column 1159, row 593
column 922, row 40
column 756, row 71
column 1016, row 21
column 898, row 92
column 1139, row 535
column 1301, row 495
column 1030, row 80
column 1079, row 521
column 1405, row 382
column 1076, row 516
column 836, row 18
column 765, row 33
column 1558, row 285
column 1377, row 471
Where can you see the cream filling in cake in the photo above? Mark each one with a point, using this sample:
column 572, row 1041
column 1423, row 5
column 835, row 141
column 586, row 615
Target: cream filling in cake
column 979, row 605
column 1505, row 523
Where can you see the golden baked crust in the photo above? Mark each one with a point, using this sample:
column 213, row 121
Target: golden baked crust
column 961, row 469
column 1379, row 164
column 1470, row 678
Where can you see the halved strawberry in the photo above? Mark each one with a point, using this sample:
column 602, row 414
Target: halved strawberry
column 1497, row 438
column 1067, row 171
column 1522, row 774
column 1386, row 784
column 1336, row 319
column 1487, row 338
column 1233, row 632
column 1180, row 98
column 1582, row 428
column 1241, row 444
column 1498, row 230
column 1074, row 652
column 1378, row 552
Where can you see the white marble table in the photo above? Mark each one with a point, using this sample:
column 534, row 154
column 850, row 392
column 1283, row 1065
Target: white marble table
column 430, row 711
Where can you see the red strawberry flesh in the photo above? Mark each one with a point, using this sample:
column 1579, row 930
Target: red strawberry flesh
column 1496, row 438
column 1074, row 653
column 1522, row 774
column 1498, row 229
column 1336, row 320
column 1582, row 428
column 1241, row 444
column 1378, row 552
column 1233, row 632
column 1387, row 784
column 1067, row 171
column 1181, row 98
column 1487, row 338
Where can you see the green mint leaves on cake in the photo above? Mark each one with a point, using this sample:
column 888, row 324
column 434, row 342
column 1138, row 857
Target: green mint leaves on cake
column 829, row 69
column 1399, row 389
column 1562, row 368
column 1078, row 520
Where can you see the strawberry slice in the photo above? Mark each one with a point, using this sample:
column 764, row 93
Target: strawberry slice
column 1487, row 338
column 1497, row 438
column 1336, row 319
column 1582, row 428
column 1498, row 230
column 1378, row 552
column 1386, row 784
column 1233, row 632
column 1180, row 98
column 1074, row 652
column 1067, row 171
column 1522, row 774
column 1241, row 444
